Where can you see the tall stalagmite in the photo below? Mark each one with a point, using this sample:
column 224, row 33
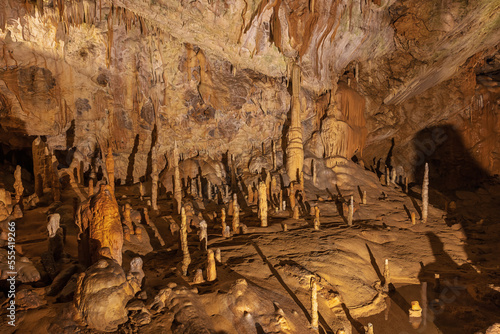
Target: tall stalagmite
column 425, row 194
column 154, row 177
column 177, row 179
column 186, row 257
column 102, row 227
column 295, row 149
column 263, row 204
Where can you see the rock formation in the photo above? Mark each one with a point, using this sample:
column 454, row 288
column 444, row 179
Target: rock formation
column 211, row 270
column 110, row 169
column 186, row 257
column 18, row 184
column 154, row 177
column 102, row 293
column 295, row 149
column 425, row 194
column 100, row 226
column 263, row 204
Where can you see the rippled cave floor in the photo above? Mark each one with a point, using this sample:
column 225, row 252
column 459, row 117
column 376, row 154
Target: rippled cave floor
column 460, row 245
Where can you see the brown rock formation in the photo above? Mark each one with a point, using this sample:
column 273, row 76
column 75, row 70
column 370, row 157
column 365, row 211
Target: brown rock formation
column 295, row 149
column 100, row 226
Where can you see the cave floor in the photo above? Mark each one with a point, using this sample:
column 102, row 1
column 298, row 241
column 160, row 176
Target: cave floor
column 347, row 262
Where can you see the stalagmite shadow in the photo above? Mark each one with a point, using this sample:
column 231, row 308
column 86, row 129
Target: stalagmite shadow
column 451, row 166
column 131, row 161
column 451, row 294
column 149, row 163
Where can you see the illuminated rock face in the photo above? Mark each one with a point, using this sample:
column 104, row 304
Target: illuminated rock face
column 102, row 293
column 215, row 78
column 101, row 227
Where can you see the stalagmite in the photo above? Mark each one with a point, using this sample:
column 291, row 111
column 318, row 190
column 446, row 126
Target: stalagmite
column 218, row 257
column 350, row 211
column 316, row 218
column 154, row 177
column 387, row 176
column 100, row 226
column 387, row 276
column 142, row 192
column 406, row 184
column 425, row 194
column 203, row 235
column 18, row 184
column 223, row 216
column 314, row 305
column 198, row 277
column 56, row 185
column 56, row 236
column 209, row 190
column 263, row 204
column 226, row 231
column 393, row 176
column 296, row 212
column 211, row 270
column 177, row 179
column 369, row 329
column 413, row 219
column 236, row 218
column 91, row 187
column 294, row 149
column 127, row 219
column 275, row 163
column 285, row 227
column 363, row 200
column 186, row 258
column 110, row 169
column 268, row 186
column 39, row 168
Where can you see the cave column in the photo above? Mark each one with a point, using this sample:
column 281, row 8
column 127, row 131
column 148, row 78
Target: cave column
column 295, row 149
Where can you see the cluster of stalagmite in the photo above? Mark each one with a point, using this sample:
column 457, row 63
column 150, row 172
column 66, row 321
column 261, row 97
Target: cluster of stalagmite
column 295, row 148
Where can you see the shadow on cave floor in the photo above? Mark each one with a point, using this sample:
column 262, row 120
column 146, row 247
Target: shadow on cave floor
column 459, row 301
column 471, row 198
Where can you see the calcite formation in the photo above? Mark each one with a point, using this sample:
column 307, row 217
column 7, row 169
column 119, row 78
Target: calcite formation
column 268, row 112
column 102, row 292
column 263, row 204
column 295, row 149
column 110, row 169
column 100, row 227
column 18, row 184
